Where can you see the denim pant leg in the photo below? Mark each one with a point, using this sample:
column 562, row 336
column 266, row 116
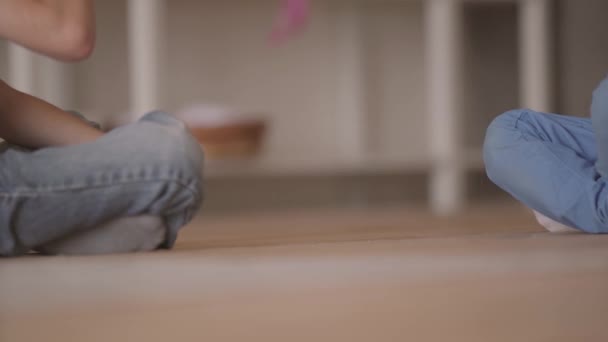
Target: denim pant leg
column 547, row 161
column 599, row 117
column 151, row 167
column 130, row 234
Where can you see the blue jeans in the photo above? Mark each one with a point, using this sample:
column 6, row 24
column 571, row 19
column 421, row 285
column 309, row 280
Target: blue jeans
column 556, row 165
column 150, row 167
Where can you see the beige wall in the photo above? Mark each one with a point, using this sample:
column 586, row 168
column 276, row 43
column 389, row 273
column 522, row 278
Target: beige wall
column 491, row 66
column 101, row 81
column 583, row 52
column 217, row 53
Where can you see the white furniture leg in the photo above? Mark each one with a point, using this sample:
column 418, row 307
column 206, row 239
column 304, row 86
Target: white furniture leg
column 56, row 83
column 352, row 111
column 146, row 39
column 444, row 29
column 535, row 55
column 21, row 68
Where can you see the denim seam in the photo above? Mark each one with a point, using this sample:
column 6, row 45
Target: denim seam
column 550, row 151
column 555, row 157
column 55, row 189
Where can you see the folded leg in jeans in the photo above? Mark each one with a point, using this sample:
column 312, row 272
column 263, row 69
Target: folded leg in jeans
column 151, row 168
column 554, row 164
column 123, row 235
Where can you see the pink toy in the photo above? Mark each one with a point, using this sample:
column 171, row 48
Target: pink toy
column 293, row 17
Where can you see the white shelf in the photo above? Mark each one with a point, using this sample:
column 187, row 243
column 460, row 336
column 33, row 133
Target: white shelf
column 344, row 126
column 470, row 159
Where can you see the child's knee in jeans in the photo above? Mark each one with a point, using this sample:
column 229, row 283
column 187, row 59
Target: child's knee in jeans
column 158, row 149
column 180, row 150
column 163, row 118
column 159, row 141
column 505, row 121
column 175, row 150
column 502, row 137
column 501, row 132
column 509, row 127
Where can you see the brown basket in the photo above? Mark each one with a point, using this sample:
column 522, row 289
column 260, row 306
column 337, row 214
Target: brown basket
column 230, row 140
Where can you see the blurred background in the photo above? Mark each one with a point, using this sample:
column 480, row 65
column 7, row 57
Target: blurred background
column 346, row 194
column 376, row 103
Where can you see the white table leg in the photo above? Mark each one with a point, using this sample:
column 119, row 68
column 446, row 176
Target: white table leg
column 56, row 83
column 21, row 68
column 444, row 29
column 146, row 39
column 352, row 111
column 535, row 55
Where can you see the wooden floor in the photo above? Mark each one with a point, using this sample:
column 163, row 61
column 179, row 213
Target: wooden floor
column 384, row 275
